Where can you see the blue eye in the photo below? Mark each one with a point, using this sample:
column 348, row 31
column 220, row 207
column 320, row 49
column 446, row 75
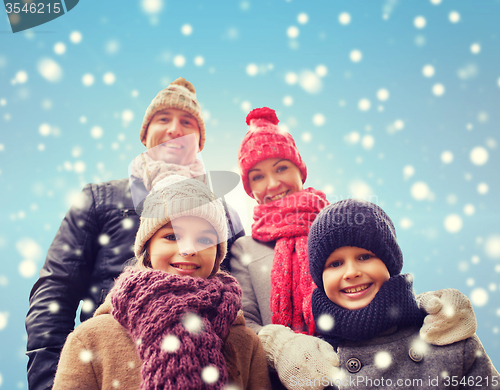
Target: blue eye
column 206, row 241
column 282, row 168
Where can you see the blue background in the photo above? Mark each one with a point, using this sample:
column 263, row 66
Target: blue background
column 58, row 133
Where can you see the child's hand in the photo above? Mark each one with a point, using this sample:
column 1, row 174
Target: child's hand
column 450, row 317
column 298, row 358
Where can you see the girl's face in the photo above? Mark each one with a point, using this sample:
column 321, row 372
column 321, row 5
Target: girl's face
column 273, row 179
column 352, row 277
column 184, row 246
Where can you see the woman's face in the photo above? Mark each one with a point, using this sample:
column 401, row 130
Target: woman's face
column 273, row 179
column 184, row 246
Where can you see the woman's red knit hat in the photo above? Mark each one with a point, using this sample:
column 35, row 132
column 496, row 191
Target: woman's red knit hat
column 265, row 140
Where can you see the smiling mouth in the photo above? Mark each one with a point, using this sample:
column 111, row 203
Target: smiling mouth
column 356, row 289
column 174, row 146
column 185, row 266
column 279, row 196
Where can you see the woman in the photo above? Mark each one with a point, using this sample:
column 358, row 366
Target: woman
column 272, row 265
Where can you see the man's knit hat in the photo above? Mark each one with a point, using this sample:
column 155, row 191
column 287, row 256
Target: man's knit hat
column 265, row 140
column 175, row 197
column 179, row 94
column 352, row 222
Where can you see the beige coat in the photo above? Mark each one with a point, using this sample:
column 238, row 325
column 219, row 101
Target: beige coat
column 100, row 355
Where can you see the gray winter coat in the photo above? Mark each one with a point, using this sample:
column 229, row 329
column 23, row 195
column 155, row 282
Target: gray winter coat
column 251, row 262
column 401, row 356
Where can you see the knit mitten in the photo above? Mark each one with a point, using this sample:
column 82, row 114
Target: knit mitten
column 298, row 358
column 450, row 317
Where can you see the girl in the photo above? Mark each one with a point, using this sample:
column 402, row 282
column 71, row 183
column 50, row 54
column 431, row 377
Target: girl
column 366, row 309
column 172, row 321
column 272, row 265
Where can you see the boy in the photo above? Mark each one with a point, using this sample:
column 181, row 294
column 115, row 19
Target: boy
column 366, row 309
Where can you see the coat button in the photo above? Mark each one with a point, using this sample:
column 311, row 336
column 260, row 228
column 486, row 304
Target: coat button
column 353, row 365
column 415, row 355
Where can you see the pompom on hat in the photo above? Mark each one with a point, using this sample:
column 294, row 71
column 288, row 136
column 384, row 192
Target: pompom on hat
column 179, row 94
column 265, row 140
column 175, row 197
column 352, row 222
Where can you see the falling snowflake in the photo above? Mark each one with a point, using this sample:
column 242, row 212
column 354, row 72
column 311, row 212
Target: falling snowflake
column 54, row 307
column 109, row 78
column 187, row 29
column 170, row 343
column 292, row 32
column 479, row 155
column 364, row 105
column 252, row 69
column 447, row 157
column 355, row 56
column 420, row 191
column 453, row 223
column 3, row 320
column 352, row 138
column 210, row 374
column 179, row 61
column 367, row 142
column 344, row 18
column 310, row 82
column 75, row 37
column 85, row 356
column 103, row 239
column 325, row 322
column 382, row 359
column 88, row 306
column 479, row 297
column 318, row 119
column 192, row 323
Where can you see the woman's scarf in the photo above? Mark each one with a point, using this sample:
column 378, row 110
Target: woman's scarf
column 152, row 171
column 393, row 305
column 178, row 324
column 287, row 221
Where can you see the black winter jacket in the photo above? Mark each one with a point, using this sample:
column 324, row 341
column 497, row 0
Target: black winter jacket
column 91, row 248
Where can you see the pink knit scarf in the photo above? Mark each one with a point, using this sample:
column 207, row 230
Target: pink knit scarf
column 178, row 324
column 152, row 171
column 287, row 221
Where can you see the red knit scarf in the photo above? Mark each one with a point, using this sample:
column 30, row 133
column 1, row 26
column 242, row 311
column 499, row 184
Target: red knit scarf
column 287, row 221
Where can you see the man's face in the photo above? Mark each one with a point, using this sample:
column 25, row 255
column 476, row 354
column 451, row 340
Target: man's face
column 174, row 137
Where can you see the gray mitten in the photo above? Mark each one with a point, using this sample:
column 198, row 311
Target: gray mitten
column 298, row 358
column 450, row 317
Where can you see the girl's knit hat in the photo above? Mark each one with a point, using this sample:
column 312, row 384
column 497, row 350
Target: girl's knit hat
column 352, row 222
column 175, row 197
column 265, row 140
column 179, row 94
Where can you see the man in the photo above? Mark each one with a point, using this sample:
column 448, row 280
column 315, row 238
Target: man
column 97, row 235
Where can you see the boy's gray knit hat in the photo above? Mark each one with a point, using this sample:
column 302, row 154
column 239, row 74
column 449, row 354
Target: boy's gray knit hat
column 352, row 222
column 175, row 197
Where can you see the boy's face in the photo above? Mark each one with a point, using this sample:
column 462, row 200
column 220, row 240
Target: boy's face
column 185, row 246
column 352, row 276
column 170, row 128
